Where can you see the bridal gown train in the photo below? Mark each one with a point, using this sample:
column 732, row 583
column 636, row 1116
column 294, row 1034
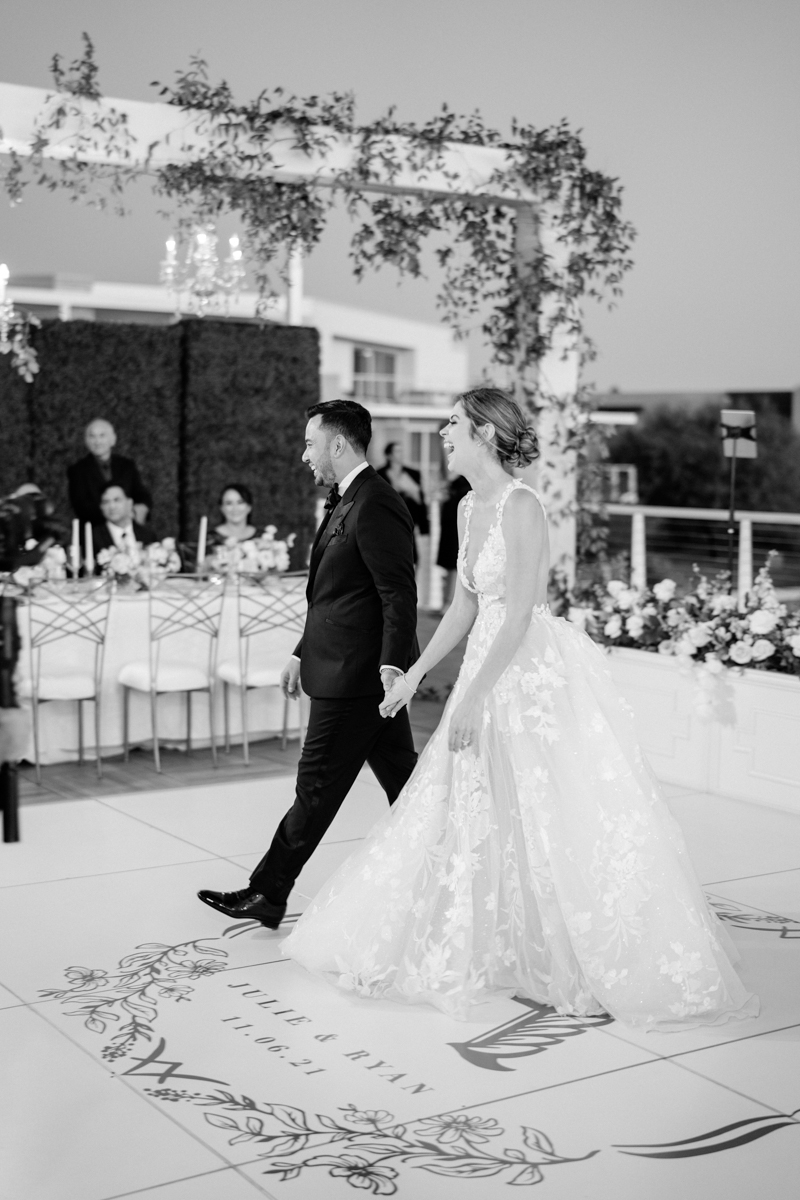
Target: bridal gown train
column 545, row 865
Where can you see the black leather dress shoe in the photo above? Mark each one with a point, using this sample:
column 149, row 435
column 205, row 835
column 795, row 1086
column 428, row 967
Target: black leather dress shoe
column 245, row 905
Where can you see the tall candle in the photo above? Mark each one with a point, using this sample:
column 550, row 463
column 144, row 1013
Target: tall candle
column 75, row 548
column 4, row 276
column 201, row 542
column 88, row 555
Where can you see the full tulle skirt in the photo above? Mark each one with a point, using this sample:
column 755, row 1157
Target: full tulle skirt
column 542, row 863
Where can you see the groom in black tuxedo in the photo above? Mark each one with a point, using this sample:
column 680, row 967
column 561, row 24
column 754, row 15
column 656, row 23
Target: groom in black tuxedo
column 360, row 632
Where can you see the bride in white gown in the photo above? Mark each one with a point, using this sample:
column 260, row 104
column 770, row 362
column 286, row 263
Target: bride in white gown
column 530, row 853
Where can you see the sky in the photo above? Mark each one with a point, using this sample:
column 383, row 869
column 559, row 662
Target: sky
column 693, row 104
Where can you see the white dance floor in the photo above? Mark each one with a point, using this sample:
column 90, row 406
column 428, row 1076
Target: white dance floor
column 150, row 1047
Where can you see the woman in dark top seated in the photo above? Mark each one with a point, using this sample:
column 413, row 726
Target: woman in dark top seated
column 235, row 504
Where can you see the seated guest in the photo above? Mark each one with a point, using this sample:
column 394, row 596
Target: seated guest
column 119, row 530
column 235, row 504
column 100, row 467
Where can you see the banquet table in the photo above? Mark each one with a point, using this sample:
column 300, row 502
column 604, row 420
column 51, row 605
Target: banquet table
column 126, row 641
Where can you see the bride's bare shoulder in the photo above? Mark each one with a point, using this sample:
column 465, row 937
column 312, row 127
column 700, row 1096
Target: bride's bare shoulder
column 523, row 507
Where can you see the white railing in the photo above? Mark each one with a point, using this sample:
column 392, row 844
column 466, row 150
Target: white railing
column 744, row 519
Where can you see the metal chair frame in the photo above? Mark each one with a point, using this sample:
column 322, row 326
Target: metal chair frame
column 261, row 606
column 176, row 604
column 72, row 611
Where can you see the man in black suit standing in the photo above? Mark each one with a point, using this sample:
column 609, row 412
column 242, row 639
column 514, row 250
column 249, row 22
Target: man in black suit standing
column 360, row 632
column 100, row 467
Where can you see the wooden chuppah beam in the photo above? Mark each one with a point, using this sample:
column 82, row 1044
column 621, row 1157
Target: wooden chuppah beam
column 160, row 135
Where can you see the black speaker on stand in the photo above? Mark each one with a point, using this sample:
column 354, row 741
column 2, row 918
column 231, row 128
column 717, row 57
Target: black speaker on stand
column 9, row 782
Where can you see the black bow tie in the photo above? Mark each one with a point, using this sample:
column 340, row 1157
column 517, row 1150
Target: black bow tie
column 332, row 499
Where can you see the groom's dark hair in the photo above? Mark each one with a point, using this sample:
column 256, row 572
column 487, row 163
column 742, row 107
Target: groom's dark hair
column 351, row 420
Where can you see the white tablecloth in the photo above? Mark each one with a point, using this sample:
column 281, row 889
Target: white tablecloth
column 127, row 641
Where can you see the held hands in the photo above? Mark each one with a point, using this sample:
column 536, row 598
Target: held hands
column 465, row 724
column 290, row 679
column 396, row 696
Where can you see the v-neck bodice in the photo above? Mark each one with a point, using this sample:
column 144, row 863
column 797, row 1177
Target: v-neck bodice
column 489, row 567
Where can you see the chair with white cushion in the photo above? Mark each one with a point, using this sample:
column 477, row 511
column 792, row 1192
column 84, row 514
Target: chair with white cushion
column 57, row 613
column 183, row 623
column 271, row 616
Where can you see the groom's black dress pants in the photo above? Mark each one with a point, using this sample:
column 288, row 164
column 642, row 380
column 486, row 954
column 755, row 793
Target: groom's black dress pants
column 342, row 735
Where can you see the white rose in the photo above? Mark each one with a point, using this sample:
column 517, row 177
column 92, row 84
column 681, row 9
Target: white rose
column 700, row 635
column 794, row 644
column 724, row 602
column 613, row 627
column 634, row 626
column 665, row 590
column 685, row 646
column 627, row 597
column 578, row 616
column 713, row 664
column 762, row 622
column 762, row 649
column 666, row 647
column 123, row 564
column 741, row 653
column 615, row 587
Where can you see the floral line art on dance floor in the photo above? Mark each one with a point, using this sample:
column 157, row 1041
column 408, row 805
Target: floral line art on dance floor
column 366, row 1142
column 453, row 1144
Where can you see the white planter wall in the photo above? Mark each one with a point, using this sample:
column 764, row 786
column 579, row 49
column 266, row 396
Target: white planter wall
column 752, row 753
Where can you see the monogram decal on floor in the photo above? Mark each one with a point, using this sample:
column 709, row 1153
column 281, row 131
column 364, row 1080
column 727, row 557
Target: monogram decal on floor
column 716, row 1139
column 537, row 1031
column 364, row 1148
column 759, row 919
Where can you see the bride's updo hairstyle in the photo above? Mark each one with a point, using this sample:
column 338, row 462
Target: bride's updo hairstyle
column 514, row 442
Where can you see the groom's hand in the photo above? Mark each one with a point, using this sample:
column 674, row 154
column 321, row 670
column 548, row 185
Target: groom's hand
column 397, row 697
column 388, row 676
column 290, row 679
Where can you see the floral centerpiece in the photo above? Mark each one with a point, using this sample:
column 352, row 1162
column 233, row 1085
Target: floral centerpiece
column 255, row 556
column 709, row 628
column 142, row 566
column 51, row 568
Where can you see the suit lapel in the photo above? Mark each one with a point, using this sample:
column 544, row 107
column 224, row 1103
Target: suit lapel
column 325, row 531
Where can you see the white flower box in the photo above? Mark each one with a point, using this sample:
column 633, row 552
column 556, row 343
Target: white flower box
column 750, row 751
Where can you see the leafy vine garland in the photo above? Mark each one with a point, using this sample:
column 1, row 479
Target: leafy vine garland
column 476, row 236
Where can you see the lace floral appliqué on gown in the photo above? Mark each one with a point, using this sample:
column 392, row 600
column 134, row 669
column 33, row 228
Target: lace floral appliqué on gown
column 546, row 865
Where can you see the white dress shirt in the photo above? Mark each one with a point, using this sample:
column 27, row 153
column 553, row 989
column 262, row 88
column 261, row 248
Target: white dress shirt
column 348, row 479
column 123, row 536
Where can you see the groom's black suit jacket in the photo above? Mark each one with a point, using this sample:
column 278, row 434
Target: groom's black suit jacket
column 362, row 594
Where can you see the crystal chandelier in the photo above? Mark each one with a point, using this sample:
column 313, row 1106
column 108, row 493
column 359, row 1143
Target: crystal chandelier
column 200, row 283
column 15, row 330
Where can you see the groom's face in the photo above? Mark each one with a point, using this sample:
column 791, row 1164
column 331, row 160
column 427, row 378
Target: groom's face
column 318, row 452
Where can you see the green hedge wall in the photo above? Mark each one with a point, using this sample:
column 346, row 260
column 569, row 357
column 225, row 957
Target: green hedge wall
column 248, row 387
column 15, row 429
column 129, row 374
column 196, row 405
